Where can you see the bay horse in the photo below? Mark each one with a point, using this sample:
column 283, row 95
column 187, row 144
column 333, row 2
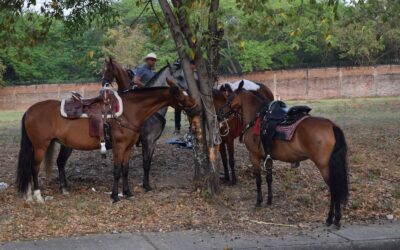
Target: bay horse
column 41, row 131
column 151, row 129
column 231, row 128
column 315, row 138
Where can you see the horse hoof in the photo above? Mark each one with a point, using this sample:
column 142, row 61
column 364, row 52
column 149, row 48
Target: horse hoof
column 233, row 182
column 115, row 198
column 38, row 196
column 258, row 204
column 328, row 222
column 147, row 188
column 337, row 224
column 128, row 194
column 269, row 202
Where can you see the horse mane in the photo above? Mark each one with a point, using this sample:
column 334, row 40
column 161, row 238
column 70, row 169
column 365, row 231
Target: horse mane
column 258, row 95
column 117, row 65
column 155, row 77
column 143, row 90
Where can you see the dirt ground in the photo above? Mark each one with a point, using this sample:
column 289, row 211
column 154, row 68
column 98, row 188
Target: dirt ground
column 372, row 128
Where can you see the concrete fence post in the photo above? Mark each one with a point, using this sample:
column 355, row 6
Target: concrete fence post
column 275, row 86
column 375, row 82
column 340, row 83
column 15, row 98
column 307, row 85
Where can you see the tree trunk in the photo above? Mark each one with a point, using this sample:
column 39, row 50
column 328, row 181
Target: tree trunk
column 205, row 167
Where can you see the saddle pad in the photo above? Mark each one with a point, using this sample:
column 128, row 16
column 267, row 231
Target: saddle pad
column 118, row 108
column 286, row 132
column 282, row 132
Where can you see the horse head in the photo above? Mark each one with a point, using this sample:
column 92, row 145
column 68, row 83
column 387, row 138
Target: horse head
column 112, row 70
column 232, row 103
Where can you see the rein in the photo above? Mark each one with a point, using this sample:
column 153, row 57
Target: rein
column 231, row 111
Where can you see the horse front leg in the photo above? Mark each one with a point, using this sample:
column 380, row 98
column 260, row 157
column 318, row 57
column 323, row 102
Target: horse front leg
column 62, row 159
column 117, row 176
column 256, row 161
column 269, row 167
column 222, row 151
column 231, row 153
column 118, row 153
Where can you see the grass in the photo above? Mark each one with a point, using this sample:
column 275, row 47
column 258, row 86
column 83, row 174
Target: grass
column 10, row 116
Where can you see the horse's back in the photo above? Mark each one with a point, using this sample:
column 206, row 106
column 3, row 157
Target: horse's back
column 312, row 137
column 264, row 90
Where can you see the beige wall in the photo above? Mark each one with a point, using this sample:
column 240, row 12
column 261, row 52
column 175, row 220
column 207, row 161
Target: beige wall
column 319, row 83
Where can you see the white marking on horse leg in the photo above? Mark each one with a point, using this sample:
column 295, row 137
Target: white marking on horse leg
column 64, row 191
column 38, row 196
column 28, row 195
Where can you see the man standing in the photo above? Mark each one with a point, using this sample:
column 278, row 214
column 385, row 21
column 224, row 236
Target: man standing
column 145, row 71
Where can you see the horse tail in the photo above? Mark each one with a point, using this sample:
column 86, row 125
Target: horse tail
column 338, row 169
column 25, row 160
column 49, row 160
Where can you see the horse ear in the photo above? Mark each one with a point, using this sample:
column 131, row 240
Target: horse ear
column 241, row 85
column 228, row 88
column 110, row 59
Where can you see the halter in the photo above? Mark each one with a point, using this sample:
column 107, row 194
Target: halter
column 221, row 114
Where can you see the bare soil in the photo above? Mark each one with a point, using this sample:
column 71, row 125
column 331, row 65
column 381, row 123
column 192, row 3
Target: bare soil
column 372, row 128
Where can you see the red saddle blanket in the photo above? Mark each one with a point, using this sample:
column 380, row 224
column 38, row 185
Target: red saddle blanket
column 285, row 132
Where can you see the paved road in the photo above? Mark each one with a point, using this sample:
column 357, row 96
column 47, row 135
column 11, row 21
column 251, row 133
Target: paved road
column 385, row 236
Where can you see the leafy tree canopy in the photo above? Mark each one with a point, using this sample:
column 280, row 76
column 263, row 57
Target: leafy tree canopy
column 64, row 41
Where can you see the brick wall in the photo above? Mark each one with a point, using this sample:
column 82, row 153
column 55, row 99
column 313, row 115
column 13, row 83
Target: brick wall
column 319, row 83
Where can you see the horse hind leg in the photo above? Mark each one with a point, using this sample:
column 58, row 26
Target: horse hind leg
column 329, row 220
column 62, row 159
column 147, row 153
column 39, row 154
column 222, row 151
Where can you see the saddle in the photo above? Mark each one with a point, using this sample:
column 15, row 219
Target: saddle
column 276, row 114
column 107, row 104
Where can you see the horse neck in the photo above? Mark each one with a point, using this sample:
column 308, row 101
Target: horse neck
column 251, row 105
column 160, row 80
column 143, row 104
column 122, row 78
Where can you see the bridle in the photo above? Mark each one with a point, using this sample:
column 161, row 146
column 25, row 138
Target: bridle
column 109, row 82
column 221, row 114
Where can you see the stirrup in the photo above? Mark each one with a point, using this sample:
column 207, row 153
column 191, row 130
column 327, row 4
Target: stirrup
column 268, row 158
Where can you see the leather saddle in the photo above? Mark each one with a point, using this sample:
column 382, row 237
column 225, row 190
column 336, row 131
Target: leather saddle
column 105, row 105
column 277, row 113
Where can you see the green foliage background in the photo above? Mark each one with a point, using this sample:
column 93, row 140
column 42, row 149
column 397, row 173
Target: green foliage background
column 259, row 35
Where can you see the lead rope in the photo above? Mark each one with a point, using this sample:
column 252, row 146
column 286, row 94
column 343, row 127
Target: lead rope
column 215, row 130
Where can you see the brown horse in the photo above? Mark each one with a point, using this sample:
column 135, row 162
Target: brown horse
column 315, row 138
column 231, row 128
column 40, row 131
